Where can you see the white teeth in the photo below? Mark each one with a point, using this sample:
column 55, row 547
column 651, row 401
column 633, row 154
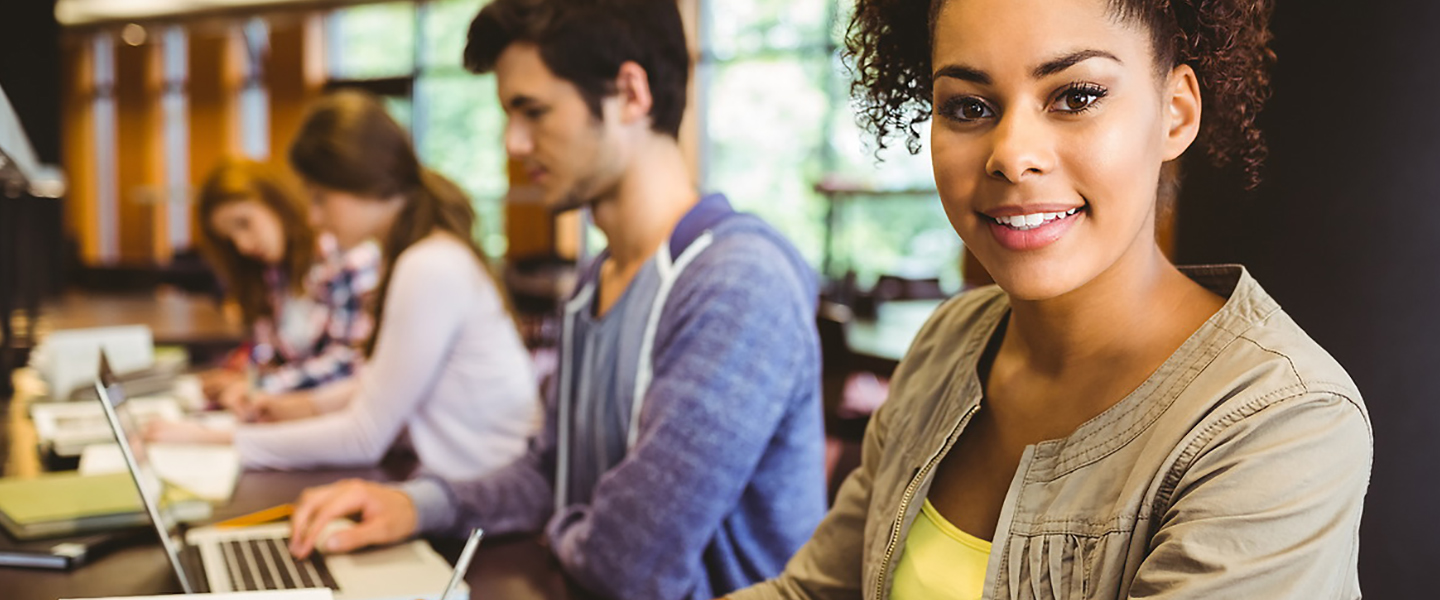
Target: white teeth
column 1033, row 220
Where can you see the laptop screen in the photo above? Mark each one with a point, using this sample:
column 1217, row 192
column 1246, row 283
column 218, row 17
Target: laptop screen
column 132, row 447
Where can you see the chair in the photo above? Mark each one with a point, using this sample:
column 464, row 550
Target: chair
column 894, row 287
column 849, row 395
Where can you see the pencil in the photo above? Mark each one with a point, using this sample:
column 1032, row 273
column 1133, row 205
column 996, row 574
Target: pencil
column 274, row 513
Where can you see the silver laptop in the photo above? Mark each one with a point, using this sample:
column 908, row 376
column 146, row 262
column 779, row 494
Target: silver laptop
column 211, row 559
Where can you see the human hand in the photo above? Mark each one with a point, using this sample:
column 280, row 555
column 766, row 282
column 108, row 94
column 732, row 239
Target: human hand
column 185, row 432
column 236, row 399
column 214, row 381
column 386, row 515
column 282, row 407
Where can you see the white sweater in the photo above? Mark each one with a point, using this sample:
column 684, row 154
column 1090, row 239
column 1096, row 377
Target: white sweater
column 448, row 365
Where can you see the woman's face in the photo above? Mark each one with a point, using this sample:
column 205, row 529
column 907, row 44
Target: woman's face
column 350, row 218
column 254, row 230
column 1052, row 122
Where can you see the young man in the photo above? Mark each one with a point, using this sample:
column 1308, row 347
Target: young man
column 681, row 455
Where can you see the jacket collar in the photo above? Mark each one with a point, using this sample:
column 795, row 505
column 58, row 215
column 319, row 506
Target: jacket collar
column 1246, row 305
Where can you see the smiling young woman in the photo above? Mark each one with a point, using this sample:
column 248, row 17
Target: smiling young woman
column 1101, row 423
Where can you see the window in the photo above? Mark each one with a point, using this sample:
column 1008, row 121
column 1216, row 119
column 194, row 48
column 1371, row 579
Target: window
column 777, row 121
column 411, row 54
column 459, row 120
column 372, row 41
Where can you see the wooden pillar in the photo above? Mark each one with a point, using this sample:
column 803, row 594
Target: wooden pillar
column 77, row 97
column 139, row 159
column 215, row 56
column 294, row 76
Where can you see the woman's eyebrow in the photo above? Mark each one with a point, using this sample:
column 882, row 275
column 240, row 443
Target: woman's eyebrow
column 963, row 73
column 1046, row 69
column 1057, row 65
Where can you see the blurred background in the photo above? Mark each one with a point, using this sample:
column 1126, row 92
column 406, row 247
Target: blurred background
column 152, row 92
column 131, row 102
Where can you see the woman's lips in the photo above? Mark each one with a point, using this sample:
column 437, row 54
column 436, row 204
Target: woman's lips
column 1032, row 237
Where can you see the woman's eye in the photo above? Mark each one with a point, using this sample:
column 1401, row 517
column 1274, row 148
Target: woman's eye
column 969, row 109
column 1078, row 99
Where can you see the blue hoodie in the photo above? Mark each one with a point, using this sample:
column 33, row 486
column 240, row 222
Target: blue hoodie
column 722, row 479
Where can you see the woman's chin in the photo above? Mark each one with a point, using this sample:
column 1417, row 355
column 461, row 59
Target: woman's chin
column 1036, row 285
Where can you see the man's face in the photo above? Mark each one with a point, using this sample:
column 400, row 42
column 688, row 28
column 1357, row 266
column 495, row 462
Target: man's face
column 571, row 155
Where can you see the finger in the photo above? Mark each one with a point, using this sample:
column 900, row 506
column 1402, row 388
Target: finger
column 370, row 532
column 262, row 408
column 306, row 506
column 237, row 400
column 311, row 502
column 347, row 498
column 227, row 398
column 346, row 502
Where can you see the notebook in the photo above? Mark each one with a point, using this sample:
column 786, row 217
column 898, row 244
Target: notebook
column 63, row 504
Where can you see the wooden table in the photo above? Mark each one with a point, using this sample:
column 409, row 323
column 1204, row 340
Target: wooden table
column 878, row 344
column 174, row 318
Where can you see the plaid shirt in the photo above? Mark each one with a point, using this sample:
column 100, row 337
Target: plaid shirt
column 315, row 338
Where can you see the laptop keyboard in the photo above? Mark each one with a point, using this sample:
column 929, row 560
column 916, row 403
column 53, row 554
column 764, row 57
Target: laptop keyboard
column 266, row 564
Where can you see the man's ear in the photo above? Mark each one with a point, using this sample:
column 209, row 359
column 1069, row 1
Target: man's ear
column 1182, row 111
column 632, row 85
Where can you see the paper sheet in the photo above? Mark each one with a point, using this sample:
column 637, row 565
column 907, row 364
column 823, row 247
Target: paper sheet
column 206, row 470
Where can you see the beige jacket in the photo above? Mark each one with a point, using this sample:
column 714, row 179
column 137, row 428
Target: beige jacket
column 1237, row 470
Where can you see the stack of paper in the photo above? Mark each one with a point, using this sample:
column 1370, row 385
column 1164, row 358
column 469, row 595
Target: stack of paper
column 66, row 428
column 208, row 471
column 70, row 358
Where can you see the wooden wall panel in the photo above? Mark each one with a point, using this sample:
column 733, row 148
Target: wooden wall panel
column 140, row 167
column 213, row 86
column 77, row 94
column 294, row 76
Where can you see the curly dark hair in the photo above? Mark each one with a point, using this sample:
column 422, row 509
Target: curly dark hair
column 1226, row 42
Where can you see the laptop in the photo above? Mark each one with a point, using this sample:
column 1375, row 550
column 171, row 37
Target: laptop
column 212, row 559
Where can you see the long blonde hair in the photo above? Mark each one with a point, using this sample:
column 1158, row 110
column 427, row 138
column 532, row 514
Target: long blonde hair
column 238, row 180
column 349, row 143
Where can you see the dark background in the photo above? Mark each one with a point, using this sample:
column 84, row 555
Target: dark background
column 1345, row 231
column 30, row 71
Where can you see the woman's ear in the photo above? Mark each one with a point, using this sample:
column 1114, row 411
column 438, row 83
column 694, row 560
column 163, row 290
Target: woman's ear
column 1182, row 111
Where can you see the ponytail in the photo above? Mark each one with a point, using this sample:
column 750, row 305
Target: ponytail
column 433, row 203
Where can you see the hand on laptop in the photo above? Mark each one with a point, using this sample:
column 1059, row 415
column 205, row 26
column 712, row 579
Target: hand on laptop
column 386, row 515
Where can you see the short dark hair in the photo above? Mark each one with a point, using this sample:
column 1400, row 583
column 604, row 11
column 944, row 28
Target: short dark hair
column 586, row 41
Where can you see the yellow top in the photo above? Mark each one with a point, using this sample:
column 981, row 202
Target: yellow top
column 940, row 562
